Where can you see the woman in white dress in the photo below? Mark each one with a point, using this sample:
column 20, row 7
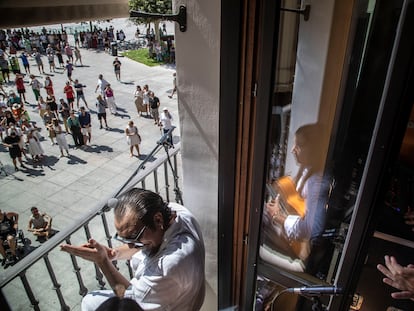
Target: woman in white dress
column 60, row 138
column 35, row 148
column 145, row 98
column 133, row 138
column 139, row 104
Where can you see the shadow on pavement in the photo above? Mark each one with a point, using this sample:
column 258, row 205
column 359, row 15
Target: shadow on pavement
column 98, row 149
column 72, row 159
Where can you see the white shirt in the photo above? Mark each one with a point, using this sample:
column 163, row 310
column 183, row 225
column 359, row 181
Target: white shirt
column 165, row 120
column 173, row 278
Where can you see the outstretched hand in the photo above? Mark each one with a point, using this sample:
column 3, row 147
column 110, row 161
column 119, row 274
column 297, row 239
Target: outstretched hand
column 92, row 251
column 399, row 277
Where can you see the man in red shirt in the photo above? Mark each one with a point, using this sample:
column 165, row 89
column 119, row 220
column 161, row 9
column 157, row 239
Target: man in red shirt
column 70, row 94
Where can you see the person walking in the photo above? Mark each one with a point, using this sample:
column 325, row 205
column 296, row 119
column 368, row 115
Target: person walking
column 75, row 129
column 12, row 142
column 117, row 68
column 51, row 61
column 110, row 99
column 48, row 116
column 25, row 62
column 64, row 111
column 154, row 103
column 133, row 138
column 166, row 124
column 60, row 138
column 38, row 58
column 85, row 123
column 79, row 93
column 69, row 69
column 174, row 85
column 101, row 85
column 101, row 107
column 69, row 52
column 138, row 100
column 145, row 97
column 34, row 146
column 52, row 105
column 78, row 56
column 36, row 86
column 60, row 58
column 21, row 90
column 70, row 94
column 49, row 86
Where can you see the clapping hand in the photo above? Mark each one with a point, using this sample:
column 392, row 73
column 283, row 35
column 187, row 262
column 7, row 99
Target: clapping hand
column 399, row 277
column 92, row 251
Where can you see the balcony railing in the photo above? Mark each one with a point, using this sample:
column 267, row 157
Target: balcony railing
column 48, row 262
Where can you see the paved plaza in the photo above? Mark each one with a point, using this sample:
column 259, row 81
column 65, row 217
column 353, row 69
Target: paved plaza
column 65, row 187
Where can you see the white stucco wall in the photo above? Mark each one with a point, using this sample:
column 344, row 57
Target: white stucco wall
column 198, row 78
column 313, row 41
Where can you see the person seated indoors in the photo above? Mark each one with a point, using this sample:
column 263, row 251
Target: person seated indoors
column 8, row 231
column 40, row 224
column 293, row 234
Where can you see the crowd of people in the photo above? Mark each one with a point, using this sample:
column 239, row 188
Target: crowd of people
column 61, row 117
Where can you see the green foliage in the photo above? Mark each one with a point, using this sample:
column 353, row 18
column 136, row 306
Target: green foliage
column 150, row 6
column 141, row 56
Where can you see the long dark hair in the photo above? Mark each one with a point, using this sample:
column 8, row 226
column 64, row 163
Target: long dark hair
column 145, row 204
column 313, row 135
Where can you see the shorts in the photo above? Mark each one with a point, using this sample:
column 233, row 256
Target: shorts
column 15, row 153
column 21, row 91
column 80, row 96
column 70, row 100
column 102, row 115
column 4, row 235
column 86, row 130
column 53, row 106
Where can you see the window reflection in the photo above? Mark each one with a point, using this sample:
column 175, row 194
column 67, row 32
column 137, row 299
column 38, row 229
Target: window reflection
column 294, row 217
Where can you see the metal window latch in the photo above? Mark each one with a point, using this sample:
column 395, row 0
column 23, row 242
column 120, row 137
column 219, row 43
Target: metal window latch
column 180, row 18
column 305, row 12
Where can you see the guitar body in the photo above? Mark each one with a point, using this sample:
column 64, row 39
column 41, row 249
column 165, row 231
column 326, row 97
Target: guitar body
column 292, row 202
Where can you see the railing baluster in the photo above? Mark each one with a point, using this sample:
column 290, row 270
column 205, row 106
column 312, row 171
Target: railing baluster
column 108, row 235
column 167, row 185
column 98, row 273
column 82, row 288
column 128, row 263
column 56, row 285
column 155, row 173
column 29, row 292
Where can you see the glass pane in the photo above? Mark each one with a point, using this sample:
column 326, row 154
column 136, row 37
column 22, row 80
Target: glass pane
column 315, row 160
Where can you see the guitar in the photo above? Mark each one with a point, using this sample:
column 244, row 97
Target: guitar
column 290, row 200
column 291, row 203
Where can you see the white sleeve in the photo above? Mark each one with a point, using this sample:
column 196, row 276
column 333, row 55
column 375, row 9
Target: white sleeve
column 290, row 224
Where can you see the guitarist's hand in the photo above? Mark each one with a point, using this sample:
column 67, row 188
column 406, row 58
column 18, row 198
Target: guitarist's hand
column 274, row 210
